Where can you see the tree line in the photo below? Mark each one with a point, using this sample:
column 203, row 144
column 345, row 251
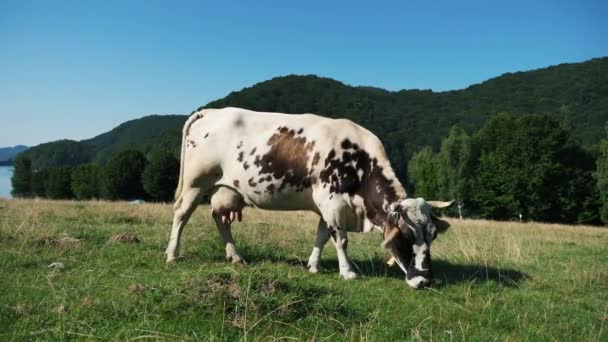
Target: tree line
column 513, row 165
column 529, row 166
column 126, row 176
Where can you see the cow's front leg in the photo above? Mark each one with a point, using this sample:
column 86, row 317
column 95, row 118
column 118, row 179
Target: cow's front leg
column 320, row 241
column 340, row 240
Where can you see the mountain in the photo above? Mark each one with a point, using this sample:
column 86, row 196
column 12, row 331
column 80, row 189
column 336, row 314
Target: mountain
column 407, row 120
column 144, row 134
column 7, row 153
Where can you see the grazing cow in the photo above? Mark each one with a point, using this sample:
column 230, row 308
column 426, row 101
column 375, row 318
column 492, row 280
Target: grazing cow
column 334, row 168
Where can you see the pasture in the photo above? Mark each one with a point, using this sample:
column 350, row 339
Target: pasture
column 495, row 281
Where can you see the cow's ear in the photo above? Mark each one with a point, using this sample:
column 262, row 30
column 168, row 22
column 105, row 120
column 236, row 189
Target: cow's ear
column 440, row 224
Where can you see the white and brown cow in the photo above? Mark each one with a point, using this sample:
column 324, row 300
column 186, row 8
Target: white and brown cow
column 334, row 168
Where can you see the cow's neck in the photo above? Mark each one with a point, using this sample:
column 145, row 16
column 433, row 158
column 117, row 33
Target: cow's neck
column 380, row 190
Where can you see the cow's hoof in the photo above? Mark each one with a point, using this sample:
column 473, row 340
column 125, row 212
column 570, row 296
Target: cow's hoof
column 171, row 259
column 349, row 275
column 237, row 260
column 313, row 269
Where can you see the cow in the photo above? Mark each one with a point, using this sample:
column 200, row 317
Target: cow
column 332, row 167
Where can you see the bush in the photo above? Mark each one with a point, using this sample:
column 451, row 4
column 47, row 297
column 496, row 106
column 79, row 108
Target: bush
column 122, row 178
column 86, row 181
column 22, row 177
column 58, row 182
column 161, row 175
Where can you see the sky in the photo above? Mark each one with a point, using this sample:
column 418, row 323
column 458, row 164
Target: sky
column 75, row 69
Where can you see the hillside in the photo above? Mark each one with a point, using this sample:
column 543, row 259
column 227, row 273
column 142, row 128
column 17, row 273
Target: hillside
column 144, row 134
column 406, row 120
column 7, row 153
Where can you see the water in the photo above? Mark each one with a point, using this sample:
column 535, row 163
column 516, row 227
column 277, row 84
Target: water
column 6, row 172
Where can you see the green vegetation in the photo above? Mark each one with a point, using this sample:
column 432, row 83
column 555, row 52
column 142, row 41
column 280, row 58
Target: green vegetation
column 86, row 181
column 528, row 165
column 602, row 177
column 161, row 175
column 58, row 182
column 495, row 281
column 22, row 177
column 123, row 176
column 145, row 135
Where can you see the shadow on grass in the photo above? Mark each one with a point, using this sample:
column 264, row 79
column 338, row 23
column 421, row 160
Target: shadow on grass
column 448, row 273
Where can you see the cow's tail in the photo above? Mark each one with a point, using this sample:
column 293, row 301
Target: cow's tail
column 178, row 192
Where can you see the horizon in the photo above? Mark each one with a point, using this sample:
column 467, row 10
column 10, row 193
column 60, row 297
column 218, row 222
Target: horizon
column 75, row 70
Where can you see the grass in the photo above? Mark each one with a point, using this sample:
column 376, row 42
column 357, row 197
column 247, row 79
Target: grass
column 496, row 281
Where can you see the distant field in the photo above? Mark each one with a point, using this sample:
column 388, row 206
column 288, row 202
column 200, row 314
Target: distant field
column 498, row 281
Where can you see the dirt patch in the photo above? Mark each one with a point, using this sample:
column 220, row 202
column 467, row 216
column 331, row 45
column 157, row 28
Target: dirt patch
column 23, row 308
column 124, row 237
column 136, row 288
column 231, row 288
column 87, row 302
column 61, row 310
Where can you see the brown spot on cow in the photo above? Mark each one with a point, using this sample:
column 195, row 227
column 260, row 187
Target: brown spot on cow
column 356, row 173
column 240, row 144
column 206, row 135
column 252, row 151
column 252, row 183
column 245, row 165
column 270, row 188
column 287, row 159
column 315, row 159
column 240, row 158
column 236, row 183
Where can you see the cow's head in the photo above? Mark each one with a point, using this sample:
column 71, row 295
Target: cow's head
column 408, row 232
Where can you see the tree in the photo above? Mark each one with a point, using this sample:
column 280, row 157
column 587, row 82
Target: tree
column 601, row 176
column 58, row 182
column 161, row 175
column 123, row 176
column 38, row 183
column 22, row 177
column 453, row 159
column 86, row 181
column 423, row 173
column 531, row 166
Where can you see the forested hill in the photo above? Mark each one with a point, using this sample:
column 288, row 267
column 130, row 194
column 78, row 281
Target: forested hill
column 407, row 120
column 8, row 153
column 144, row 134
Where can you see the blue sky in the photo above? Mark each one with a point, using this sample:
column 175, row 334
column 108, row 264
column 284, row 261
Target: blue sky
column 74, row 69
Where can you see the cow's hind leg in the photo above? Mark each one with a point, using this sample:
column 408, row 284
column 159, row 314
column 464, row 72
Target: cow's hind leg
column 226, row 204
column 320, row 241
column 182, row 212
column 340, row 240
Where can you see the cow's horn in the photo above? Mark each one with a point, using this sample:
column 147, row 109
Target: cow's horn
column 391, row 236
column 440, row 204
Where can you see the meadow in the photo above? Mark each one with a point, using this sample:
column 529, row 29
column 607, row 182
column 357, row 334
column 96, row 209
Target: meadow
column 494, row 280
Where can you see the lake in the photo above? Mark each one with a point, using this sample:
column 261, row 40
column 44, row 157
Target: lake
column 6, row 172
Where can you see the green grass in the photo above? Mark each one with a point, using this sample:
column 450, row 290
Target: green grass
column 496, row 281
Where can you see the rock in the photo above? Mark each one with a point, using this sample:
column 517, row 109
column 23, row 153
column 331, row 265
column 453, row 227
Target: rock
column 57, row 265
